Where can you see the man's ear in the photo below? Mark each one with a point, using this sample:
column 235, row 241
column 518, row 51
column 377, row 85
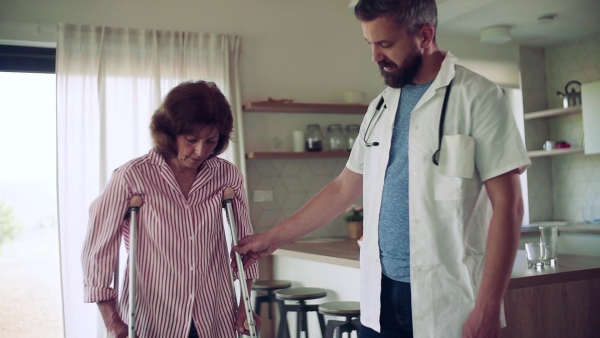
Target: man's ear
column 427, row 35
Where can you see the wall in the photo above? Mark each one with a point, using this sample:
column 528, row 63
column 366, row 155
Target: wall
column 309, row 51
column 576, row 178
column 560, row 186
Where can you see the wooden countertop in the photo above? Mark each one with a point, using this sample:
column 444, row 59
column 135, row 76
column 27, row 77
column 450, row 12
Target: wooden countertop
column 346, row 252
column 339, row 251
column 578, row 228
column 568, row 268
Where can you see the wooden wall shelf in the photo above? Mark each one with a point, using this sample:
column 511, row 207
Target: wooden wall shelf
column 278, row 155
column 555, row 152
column 319, row 108
column 553, row 112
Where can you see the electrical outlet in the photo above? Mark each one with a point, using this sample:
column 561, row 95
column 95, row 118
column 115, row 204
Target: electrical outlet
column 262, row 196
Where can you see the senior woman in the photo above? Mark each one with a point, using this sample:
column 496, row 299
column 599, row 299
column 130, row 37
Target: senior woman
column 183, row 283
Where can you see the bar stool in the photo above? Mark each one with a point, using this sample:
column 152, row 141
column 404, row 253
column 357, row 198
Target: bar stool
column 350, row 310
column 300, row 295
column 265, row 293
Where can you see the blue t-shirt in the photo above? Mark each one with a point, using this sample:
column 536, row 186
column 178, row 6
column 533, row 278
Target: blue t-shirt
column 394, row 243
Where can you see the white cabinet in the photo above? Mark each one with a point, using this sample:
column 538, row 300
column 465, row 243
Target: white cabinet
column 590, row 103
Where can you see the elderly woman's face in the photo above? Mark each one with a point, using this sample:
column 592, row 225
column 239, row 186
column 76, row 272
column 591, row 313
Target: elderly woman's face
column 195, row 148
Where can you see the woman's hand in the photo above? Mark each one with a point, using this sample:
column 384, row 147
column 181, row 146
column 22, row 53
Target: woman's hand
column 117, row 330
column 241, row 324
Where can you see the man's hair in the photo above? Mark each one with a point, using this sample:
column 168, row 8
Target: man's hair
column 187, row 107
column 410, row 14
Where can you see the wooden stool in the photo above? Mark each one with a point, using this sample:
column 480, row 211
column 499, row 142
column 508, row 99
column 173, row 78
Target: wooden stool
column 265, row 293
column 301, row 295
column 350, row 310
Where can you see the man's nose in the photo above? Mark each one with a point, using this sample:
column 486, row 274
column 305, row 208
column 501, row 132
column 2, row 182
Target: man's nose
column 376, row 55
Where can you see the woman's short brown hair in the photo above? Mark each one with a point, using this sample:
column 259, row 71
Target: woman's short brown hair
column 185, row 108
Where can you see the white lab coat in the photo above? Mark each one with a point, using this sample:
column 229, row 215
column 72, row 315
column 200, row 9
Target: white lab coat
column 449, row 214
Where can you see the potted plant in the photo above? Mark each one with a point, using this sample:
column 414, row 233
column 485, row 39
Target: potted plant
column 354, row 220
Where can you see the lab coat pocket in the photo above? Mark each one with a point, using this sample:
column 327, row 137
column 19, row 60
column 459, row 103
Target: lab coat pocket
column 457, row 156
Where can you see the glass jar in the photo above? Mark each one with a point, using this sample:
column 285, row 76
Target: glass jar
column 314, row 138
column 334, row 137
column 351, row 135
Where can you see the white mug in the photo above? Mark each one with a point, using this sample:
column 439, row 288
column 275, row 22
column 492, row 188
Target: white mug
column 548, row 145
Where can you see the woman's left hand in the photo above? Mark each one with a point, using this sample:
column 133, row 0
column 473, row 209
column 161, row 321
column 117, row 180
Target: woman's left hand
column 241, row 325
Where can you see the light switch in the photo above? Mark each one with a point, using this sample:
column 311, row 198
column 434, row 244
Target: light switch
column 262, row 195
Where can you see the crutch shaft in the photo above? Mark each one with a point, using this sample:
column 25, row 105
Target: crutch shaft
column 227, row 204
column 134, row 207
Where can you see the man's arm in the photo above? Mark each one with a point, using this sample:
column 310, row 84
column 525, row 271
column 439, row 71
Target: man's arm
column 327, row 204
column 503, row 236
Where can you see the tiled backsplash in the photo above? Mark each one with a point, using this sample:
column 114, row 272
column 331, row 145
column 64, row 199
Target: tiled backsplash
column 293, row 182
column 560, row 186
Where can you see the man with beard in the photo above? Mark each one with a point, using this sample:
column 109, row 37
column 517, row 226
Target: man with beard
column 442, row 198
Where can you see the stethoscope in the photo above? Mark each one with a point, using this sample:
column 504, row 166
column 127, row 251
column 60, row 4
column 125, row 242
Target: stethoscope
column 378, row 112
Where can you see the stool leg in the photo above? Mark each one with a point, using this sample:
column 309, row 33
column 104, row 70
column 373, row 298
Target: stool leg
column 321, row 323
column 331, row 325
column 301, row 320
column 270, row 299
column 282, row 331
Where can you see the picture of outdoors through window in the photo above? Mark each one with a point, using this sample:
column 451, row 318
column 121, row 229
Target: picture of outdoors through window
column 30, row 293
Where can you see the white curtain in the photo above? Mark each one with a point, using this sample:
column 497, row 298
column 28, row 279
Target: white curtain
column 109, row 82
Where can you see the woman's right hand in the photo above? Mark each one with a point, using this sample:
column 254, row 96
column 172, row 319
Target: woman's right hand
column 117, row 330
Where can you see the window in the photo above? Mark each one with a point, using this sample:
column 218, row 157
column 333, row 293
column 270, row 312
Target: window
column 29, row 251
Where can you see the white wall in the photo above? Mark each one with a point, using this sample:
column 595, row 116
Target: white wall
column 308, row 50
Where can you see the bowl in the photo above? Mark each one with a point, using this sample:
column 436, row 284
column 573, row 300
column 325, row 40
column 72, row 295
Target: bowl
column 354, row 96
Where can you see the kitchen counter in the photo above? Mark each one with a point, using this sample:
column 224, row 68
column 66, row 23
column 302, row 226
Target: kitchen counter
column 345, row 252
column 559, row 301
column 566, row 227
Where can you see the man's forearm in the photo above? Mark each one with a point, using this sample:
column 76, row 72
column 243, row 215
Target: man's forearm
column 502, row 244
column 503, row 236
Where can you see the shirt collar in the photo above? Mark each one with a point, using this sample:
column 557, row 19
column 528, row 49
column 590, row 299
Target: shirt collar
column 157, row 159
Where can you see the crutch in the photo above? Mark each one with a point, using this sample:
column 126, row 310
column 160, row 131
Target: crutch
column 227, row 201
column 134, row 206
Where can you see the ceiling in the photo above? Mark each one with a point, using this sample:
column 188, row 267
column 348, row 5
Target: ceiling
column 574, row 19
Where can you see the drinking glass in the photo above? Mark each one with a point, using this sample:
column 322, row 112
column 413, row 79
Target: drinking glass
column 535, row 254
column 548, row 235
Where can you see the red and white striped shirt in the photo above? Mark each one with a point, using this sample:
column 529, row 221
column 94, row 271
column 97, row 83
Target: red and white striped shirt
column 182, row 263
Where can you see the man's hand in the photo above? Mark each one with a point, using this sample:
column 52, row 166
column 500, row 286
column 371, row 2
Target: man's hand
column 253, row 248
column 482, row 325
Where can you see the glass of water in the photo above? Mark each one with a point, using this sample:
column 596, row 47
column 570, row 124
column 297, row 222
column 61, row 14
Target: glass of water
column 535, row 254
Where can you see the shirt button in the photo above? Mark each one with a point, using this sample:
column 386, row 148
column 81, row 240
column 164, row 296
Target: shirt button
column 191, row 268
column 191, row 238
column 191, row 295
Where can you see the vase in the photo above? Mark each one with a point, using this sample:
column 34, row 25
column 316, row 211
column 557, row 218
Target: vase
column 355, row 229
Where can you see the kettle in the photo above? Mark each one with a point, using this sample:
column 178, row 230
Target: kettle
column 573, row 97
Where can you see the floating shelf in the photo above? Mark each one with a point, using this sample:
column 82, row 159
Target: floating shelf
column 555, row 152
column 319, row 108
column 553, row 112
column 277, row 155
